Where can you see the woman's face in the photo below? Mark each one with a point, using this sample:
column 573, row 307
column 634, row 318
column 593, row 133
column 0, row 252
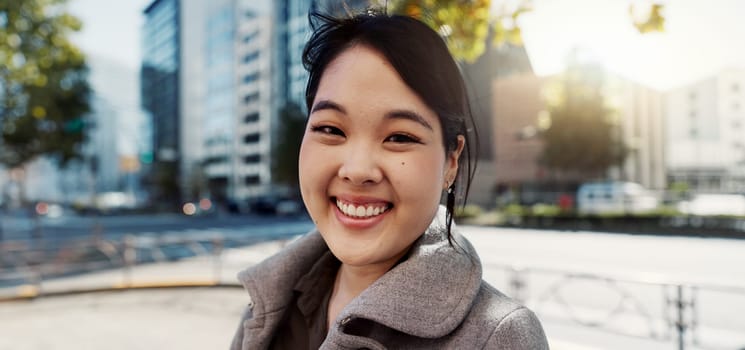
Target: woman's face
column 372, row 162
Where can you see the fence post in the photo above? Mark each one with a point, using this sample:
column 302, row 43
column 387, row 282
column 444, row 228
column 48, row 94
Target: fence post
column 682, row 305
column 217, row 247
column 517, row 283
column 130, row 257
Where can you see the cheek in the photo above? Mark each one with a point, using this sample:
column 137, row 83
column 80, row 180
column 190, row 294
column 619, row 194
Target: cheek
column 316, row 170
column 309, row 168
column 419, row 176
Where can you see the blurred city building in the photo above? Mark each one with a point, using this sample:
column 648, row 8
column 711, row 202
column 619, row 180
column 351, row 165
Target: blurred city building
column 641, row 119
column 706, row 130
column 214, row 76
column 497, row 62
column 193, row 85
column 517, row 111
column 160, row 87
column 117, row 133
column 517, row 103
column 238, row 121
column 292, row 32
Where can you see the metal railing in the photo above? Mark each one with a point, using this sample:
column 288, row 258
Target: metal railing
column 651, row 308
column 27, row 265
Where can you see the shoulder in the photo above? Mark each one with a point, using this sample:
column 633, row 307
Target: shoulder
column 508, row 324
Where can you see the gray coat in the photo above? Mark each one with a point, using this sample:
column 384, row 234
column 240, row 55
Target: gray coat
column 435, row 299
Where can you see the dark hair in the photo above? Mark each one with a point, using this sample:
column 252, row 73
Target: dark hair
column 421, row 58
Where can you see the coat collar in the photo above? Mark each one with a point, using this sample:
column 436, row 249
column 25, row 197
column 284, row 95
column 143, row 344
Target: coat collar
column 428, row 295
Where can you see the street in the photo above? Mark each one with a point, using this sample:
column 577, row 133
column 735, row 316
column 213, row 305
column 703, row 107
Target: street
column 73, row 227
column 591, row 290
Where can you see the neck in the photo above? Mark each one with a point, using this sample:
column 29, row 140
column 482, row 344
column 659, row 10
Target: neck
column 350, row 282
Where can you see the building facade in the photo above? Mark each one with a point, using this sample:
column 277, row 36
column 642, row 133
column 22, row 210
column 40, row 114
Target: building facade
column 237, row 128
column 706, row 133
column 160, row 94
column 520, row 114
column 517, row 104
column 113, row 135
column 292, row 32
column 640, row 113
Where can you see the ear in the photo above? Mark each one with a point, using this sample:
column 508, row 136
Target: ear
column 451, row 162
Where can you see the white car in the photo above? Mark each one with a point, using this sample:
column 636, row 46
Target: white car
column 714, row 204
column 615, row 197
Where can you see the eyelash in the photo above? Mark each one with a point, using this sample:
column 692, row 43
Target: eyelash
column 406, row 138
column 327, row 130
column 334, row 131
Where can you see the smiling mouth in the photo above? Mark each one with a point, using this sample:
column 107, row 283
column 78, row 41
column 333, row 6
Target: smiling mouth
column 361, row 211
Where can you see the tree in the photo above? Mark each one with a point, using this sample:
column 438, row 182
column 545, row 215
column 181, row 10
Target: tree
column 44, row 93
column 581, row 136
column 287, row 148
column 468, row 25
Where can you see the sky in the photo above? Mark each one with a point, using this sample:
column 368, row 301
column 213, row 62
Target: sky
column 111, row 28
column 701, row 37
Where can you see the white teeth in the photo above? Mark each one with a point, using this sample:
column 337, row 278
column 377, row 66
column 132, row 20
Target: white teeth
column 360, row 211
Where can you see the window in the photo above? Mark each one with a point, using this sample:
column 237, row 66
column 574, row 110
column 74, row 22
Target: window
column 251, row 138
column 251, row 117
column 735, row 87
column 250, row 36
column 251, row 98
column 252, row 159
column 250, row 57
column 252, row 180
column 250, row 78
column 693, row 133
column 215, row 159
column 692, row 114
column 692, row 95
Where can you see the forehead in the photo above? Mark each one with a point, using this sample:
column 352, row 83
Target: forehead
column 363, row 80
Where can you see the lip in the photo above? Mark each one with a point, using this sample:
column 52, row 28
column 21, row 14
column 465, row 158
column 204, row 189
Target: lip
column 358, row 223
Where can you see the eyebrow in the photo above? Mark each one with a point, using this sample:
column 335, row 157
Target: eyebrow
column 408, row 115
column 327, row 104
column 395, row 114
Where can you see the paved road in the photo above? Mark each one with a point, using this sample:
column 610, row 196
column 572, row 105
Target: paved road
column 195, row 319
column 74, row 227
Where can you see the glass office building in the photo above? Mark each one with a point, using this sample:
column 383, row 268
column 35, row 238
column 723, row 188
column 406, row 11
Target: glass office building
column 159, row 76
column 159, row 88
column 237, row 128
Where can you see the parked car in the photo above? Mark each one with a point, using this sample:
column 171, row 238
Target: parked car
column 276, row 205
column 615, row 197
column 714, row 204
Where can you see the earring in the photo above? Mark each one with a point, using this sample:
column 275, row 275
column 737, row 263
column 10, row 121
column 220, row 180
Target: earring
column 451, row 197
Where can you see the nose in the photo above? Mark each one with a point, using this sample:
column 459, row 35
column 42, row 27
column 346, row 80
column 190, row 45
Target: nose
column 359, row 167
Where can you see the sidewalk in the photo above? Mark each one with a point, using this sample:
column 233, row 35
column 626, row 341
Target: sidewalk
column 172, row 318
column 193, row 317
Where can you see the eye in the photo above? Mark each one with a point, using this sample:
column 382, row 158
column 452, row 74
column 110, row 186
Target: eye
column 327, row 130
column 402, row 138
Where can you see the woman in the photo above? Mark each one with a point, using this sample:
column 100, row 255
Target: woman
column 387, row 136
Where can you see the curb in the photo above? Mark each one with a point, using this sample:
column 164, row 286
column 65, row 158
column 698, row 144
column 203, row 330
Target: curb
column 30, row 292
